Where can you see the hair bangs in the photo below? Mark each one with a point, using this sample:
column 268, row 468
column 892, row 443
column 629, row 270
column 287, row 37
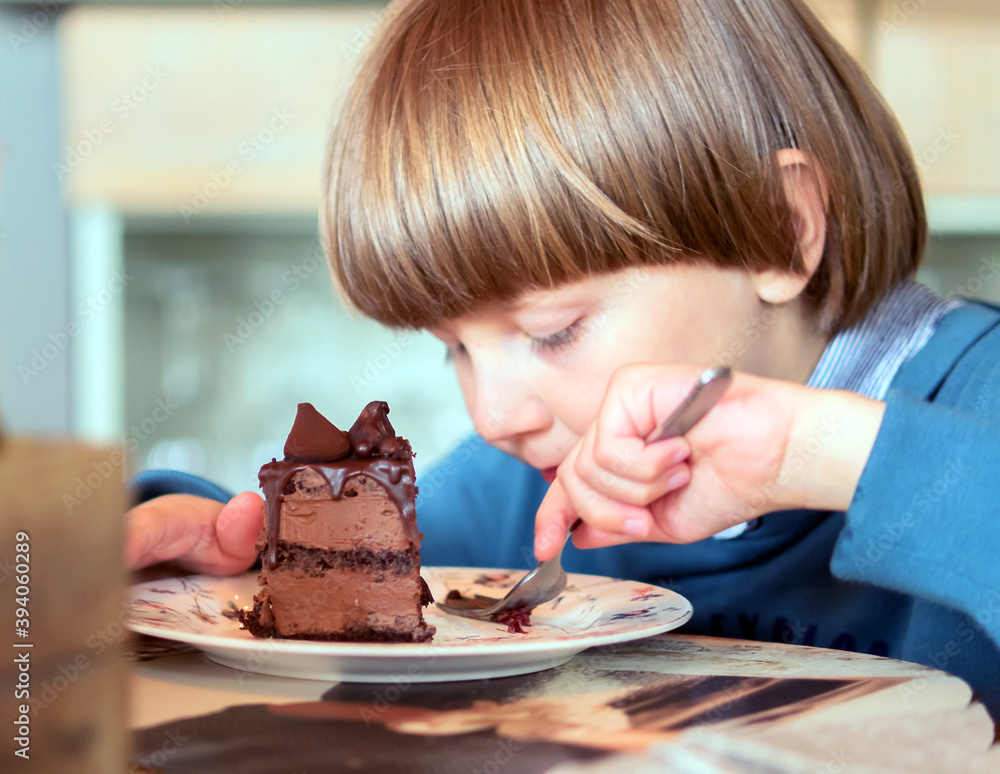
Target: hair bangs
column 493, row 147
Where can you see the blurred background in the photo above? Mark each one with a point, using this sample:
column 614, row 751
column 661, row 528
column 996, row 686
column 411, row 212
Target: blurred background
column 161, row 281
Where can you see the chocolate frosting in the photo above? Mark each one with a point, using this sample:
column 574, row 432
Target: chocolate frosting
column 314, row 438
column 379, row 454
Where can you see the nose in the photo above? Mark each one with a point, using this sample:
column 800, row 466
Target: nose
column 503, row 404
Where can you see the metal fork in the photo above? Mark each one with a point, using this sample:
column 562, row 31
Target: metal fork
column 547, row 579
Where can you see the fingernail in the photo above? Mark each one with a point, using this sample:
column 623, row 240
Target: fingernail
column 636, row 527
column 680, row 455
column 678, row 479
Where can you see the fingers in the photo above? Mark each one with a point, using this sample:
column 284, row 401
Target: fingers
column 552, row 522
column 600, row 512
column 612, row 482
column 607, row 520
column 203, row 535
column 629, row 471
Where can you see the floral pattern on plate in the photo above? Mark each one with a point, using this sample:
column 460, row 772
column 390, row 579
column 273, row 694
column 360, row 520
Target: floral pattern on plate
column 593, row 610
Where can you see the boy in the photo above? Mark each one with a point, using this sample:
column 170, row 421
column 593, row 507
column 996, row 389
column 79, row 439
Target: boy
column 589, row 202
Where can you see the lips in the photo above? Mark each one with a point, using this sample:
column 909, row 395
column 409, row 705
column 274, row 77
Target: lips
column 528, row 458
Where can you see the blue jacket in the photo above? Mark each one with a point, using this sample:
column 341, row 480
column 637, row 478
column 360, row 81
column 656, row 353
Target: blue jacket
column 910, row 571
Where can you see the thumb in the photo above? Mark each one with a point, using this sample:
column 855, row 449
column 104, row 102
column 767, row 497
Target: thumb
column 201, row 534
column 237, row 526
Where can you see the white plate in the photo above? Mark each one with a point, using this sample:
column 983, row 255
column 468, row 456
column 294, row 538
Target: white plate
column 592, row 611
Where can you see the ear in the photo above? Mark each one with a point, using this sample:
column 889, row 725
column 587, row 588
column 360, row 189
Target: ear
column 806, row 192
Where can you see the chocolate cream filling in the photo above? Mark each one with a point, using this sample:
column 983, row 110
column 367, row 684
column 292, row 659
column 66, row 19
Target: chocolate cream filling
column 373, row 450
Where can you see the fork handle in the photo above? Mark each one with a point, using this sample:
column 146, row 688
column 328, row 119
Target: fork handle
column 705, row 394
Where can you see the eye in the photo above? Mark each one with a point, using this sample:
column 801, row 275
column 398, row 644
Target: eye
column 560, row 339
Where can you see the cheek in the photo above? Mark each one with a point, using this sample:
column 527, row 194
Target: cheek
column 574, row 398
column 466, row 383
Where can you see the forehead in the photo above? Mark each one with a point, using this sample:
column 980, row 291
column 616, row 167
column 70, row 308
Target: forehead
column 580, row 295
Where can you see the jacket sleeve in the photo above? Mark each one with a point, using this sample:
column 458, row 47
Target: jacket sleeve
column 154, row 483
column 925, row 519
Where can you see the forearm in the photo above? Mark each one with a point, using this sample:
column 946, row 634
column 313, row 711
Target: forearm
column 831, row 438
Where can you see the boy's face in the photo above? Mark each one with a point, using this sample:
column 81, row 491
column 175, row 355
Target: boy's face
column 534, row 372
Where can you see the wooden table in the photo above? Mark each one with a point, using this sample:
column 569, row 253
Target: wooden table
column 672, row 702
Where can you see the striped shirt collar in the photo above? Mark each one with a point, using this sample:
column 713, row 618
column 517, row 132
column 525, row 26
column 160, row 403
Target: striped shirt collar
column 866, row 357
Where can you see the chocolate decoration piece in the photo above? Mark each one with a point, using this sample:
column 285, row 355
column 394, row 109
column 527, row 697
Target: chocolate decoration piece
column 318, row 448
column 372, row 434
column 314, row 438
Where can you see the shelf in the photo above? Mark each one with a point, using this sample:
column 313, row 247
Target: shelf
column 963, row 215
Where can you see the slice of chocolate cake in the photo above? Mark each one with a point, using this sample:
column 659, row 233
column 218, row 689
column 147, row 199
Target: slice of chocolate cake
column 340, row 546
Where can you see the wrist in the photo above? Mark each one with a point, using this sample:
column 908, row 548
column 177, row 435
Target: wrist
column 832, row 435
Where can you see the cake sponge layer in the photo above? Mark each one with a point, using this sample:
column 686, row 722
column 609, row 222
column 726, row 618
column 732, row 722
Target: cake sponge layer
column 345, row 604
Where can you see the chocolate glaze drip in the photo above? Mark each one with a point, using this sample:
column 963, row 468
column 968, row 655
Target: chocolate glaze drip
column 393, row 471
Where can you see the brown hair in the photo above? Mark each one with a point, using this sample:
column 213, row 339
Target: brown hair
column 489, row 147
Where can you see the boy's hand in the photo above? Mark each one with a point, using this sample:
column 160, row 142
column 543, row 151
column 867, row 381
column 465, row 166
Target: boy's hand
column 201, row 534
column 767, row 445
